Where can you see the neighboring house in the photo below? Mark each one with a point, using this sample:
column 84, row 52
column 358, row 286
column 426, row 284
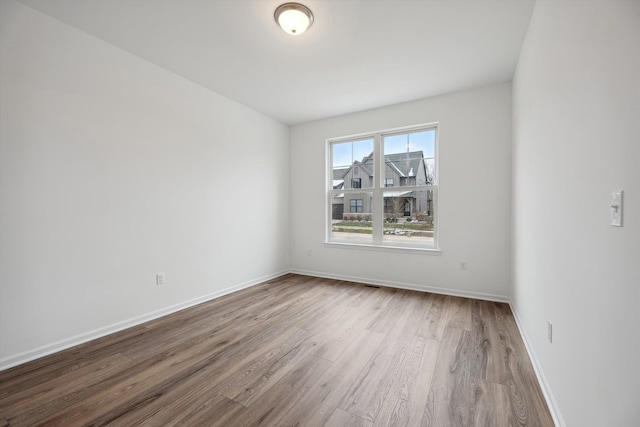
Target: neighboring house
column 337, row 202
column 401, row 170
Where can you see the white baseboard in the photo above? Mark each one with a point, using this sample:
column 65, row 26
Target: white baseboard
column 542, row 380
column 27, row 356
column 402, row 285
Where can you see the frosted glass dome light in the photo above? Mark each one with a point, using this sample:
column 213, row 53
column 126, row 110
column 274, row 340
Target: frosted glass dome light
column 293, row 18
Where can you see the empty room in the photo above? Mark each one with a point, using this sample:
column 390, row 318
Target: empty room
column 326, row 213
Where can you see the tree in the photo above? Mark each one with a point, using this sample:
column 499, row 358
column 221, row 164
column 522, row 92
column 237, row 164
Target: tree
column 397, row 207
column 430, row 172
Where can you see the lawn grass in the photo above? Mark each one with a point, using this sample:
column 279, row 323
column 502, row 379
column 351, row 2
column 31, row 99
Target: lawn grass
column 355, row 225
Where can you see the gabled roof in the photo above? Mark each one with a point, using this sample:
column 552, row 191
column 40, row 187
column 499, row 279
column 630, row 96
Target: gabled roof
column 395, row 168
column 339, row 173
column 365, row 167
column 404, row 164
column 407, row 163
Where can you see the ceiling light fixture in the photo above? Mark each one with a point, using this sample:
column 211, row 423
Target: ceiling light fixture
column 293, row 18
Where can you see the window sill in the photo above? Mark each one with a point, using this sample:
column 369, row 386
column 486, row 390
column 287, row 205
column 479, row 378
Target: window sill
column 383, row 248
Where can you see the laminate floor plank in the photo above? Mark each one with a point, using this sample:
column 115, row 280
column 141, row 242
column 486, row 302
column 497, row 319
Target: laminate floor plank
column 218, row 412
column 448, row 403
column 211, row 383
column 291, row 308
column 358, row 295
column 256, row 338
column 169, row 338
column 338, row 334
column 432, row 324
column 133, row 391
column 389, row 309
column 341, row 418
column 44, row 392
column 372, row 387
column 488, row 347
column 245, row 370
column 295, row 350
column 269, row 406
column 311, row 303
column 316, row 405
column 258, row 380
column 492, row 407
column 34, row 411
column 526, row 396
column 322, row 310
column 182, row 400
column 404, row 405
column 458, row 313
column 54, row 365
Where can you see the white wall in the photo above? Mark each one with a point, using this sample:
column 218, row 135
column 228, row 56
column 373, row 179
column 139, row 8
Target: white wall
column 576, row 140
column 474, row 197
column 113, row 169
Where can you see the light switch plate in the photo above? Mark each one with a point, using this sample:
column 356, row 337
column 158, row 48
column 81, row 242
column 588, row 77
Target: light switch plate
column 616, row 209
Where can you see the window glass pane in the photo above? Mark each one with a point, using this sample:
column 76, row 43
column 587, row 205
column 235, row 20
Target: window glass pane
column 408, row 217
column 409, row 157
column 352, row 164
column 351, row 216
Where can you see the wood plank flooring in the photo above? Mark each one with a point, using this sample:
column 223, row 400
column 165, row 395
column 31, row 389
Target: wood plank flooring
column 296, row 350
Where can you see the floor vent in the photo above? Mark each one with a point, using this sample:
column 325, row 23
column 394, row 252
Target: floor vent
column 372, row 286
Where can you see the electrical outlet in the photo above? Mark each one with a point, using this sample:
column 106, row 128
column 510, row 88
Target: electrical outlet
column 550, row 331
column 462, row 265
column 160, row 279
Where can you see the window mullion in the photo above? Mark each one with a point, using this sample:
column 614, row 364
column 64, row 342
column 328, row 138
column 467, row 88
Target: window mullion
column 377, row 213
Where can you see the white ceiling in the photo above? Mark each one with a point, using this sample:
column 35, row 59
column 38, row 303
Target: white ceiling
column 359, row 54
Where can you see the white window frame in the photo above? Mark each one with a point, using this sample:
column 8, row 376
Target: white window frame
column 378, row 190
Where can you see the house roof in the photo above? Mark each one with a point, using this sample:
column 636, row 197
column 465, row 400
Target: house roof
column 395, row 168
column 365, row 167
column 404, row 164
column 339, row 173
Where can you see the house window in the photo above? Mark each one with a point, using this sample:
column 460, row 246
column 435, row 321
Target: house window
column 374, row 210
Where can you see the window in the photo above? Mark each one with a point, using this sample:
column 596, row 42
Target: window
column 375, row 210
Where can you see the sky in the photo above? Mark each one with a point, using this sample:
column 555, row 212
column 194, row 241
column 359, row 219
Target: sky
column 345, row 153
